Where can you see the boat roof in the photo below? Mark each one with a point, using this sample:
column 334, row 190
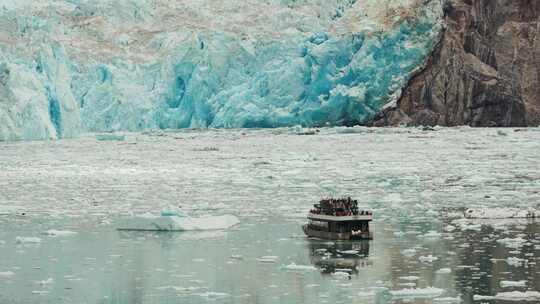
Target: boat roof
column 335, row 218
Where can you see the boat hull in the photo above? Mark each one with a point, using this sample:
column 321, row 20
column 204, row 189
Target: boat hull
column 344, row 236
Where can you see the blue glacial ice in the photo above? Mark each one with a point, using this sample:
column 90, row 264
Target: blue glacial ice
column 74, row 66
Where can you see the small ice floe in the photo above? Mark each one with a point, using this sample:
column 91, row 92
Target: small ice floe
column 513, row 261
column 366, row 294
column 177, row 222
column 428, row 259
column 443, row 271
column 268, row 259
column 409, row 252
column 447, row 300
column 40, row 292
column 428, row 292
column 505, row 284
column 348, row 252
column 500, row 213
column 237, row 257
column 449, row 228
column 516, row 296
column 409, row 278
column 295, row 267
column 54, row 232
column 341, row 275
column 514, row 243
column 431, row 235
column 213, row 295
column 6, row 274
column 27, row 240
column 2, row 242
column 409, row 284
column 45, row 282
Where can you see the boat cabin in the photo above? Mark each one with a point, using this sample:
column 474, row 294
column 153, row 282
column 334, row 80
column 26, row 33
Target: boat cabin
column 338, row 219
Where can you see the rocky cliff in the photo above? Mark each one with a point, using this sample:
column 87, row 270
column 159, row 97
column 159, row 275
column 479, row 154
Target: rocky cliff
column 485, row 70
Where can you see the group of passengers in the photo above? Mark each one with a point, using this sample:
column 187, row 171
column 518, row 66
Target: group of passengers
column 338, row 207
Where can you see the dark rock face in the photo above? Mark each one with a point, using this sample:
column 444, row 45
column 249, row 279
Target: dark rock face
column 485, row 71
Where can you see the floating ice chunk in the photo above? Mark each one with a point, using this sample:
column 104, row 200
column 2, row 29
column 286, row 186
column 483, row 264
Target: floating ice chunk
column 431, row 234
column 505, row 284
column 428, row 258
column 366, row 294
column 449, row 228
column 295, row 267
column 514, row 243
column 341, row 275
column 513, row 261
column 448, row 300
column 27, row 240
column 428, row 292
column 177, row 223
column 500, row 213
column 4, row 274
column 237, row 257
column 268, row 259
column 409, row 252
column 213, row 295
column 443, row 271
column 45, row 282
column 53, row 232
column 518, row 296
column 409, row 278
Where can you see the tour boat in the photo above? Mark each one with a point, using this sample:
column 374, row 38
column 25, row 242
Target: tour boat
column 338, row 219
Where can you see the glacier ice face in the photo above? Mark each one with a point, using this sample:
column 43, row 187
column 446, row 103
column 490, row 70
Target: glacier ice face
column 72, row 66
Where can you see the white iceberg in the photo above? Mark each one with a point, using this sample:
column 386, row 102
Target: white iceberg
column 149, row 222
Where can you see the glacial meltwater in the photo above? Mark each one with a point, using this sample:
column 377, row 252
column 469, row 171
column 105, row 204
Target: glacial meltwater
column 61, row 202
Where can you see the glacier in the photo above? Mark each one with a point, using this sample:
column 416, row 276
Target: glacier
column 73, row 66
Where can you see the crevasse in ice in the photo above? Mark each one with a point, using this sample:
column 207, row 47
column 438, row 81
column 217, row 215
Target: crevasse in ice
column 73, row 66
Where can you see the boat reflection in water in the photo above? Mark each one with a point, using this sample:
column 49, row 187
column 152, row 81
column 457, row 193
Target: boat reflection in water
column 342, row 257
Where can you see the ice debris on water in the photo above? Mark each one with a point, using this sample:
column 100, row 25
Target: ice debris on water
column 428, row 259
column 409, row 252
column 341, row 275
column 54, row 232
column 513, row 261
column 447, row 300
column 500, row 213
column 505, row 284
column 268, row 259
column 45, row 282
column 296, row 267
column 427, row 292
column 27, row 240
column 514, row 243
column 515, row 296
column 6, row 274
column 443, row 271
